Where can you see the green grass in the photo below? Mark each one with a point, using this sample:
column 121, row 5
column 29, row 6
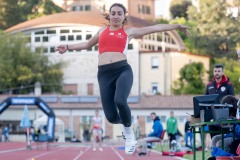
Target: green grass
column 186, row 156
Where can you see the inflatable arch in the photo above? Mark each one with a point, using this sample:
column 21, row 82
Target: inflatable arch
column 33, row 101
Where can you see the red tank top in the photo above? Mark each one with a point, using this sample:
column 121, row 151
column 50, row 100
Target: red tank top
column 113, row 41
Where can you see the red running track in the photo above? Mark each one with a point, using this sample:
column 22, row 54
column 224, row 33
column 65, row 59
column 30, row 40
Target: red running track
column 70, row 151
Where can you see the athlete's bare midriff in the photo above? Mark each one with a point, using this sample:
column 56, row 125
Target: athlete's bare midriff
column 110, row 57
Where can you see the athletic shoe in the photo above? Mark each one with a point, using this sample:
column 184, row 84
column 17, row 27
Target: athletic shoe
column 142, row 154
column 130, row 142
column 100, row 149
column 94, row 149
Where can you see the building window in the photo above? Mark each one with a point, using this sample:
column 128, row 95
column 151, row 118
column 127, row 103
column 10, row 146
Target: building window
column 148, row 10
column 90, row 89
column 159, row 38
column 52, row 49
column 139, row 8
column 130, row 46
column 37, row 39
column 182, row 119
column 159, row 48
column 64, row 31
column 155, row 88
column 87, row 7
column 39, row 32
column 79, row 37
column 51, row 31
column 39, row 50
column 70, row 37
column 77, row 8
column 74, row 8
column 143, row 9
column 86, row 119
column 96, row 48
column 149, row 120
column 104, row 8
column 88, row 36
column 62, row 38
column 76, row 31
column 155, row 62
column 163, row 119
column 149, row 47
column 45, row 39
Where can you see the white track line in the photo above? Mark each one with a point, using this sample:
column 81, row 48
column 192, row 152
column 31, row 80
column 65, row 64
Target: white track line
column 12, row 150
column 81, row 153
column 43, row 154
column 117, row 153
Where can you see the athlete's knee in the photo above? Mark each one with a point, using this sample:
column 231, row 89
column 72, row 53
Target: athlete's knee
column 112, row 118
column 120, row 102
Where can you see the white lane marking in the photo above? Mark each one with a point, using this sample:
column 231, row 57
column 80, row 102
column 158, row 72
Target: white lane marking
column 43, row 154
column 117, row 153
column 81, row 153
column 12, row 150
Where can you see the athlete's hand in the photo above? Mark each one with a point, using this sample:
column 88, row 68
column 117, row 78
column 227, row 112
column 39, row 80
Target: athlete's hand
column 185, row 29
column 61, row 49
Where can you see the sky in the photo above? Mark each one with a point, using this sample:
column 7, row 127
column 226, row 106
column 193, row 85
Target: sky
column 162, row 8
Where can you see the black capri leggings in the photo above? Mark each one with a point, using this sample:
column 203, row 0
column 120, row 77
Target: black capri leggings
column 115, row 83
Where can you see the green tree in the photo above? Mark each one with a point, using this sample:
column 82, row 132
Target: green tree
column 217, row 31
column 13, row 12
column 180, row 9
column 44, row 7
column 20, row 68
column 190, row 81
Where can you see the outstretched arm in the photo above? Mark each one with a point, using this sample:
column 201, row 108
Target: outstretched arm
column 79, row 46
column 136, row 32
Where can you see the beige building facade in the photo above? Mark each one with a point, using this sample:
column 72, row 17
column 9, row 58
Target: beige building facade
column 144, row 9
column 159, row 70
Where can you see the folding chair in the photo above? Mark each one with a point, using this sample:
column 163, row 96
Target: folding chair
column 159, row 141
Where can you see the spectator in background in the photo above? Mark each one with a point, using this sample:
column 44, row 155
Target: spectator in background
column 157, row 131
column 221, row 85
column 188, row 134
column 228, row 138
column 96, row 127
column 172, row 128
column 32, row 133
column 6, row 133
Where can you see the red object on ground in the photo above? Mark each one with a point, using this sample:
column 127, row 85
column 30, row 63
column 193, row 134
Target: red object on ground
column 178, row 154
